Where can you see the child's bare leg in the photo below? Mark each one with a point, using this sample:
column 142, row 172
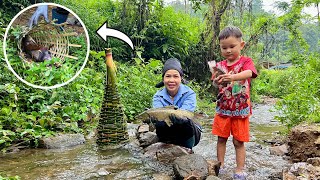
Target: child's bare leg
column 240, row 154
column 221, row 149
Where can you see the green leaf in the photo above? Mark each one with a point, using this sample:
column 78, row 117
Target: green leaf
column 47, row 73
column 5, row 111
column 31, row 117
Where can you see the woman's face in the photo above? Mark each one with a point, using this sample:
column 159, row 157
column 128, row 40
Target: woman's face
column 172, row 80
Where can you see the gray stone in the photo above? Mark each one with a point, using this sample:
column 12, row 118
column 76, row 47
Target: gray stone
column 211, row 177
column 303, row 170
column 62, row 141
column 130, row 174
column 169, row 153
column 148, row 138
column 192, row 166
column 165, row 153
column 143, row 128
column 162, row 176
column 102, row 172
column 132, row 130
column 279, row 150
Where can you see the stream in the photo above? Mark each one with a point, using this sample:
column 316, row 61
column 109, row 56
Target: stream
column 88, row 161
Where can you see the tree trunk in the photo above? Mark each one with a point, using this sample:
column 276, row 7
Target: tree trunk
column 218, row 7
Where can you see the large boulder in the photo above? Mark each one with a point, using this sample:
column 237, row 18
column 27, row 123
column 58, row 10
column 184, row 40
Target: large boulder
column 62, row 141
column 165, row 153
column 192, row 166
column 304, row 142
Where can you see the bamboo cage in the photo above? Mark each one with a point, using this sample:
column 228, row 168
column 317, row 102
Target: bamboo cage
column 112, row 128
column 50, row 35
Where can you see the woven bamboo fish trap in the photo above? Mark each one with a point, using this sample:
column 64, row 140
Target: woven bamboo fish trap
column 49, row 35
column 112, row 128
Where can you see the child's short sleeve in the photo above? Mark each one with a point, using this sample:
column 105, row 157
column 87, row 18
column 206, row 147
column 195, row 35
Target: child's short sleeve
column 248, row 65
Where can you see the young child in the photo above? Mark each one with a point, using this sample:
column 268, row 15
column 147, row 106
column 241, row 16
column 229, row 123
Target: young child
column 233, row 104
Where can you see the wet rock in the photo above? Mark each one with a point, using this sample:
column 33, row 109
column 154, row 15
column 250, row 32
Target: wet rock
column 166, row 153
column 278, row 140
column 192, row 166
column 131, row 174
column 276, row 175
column 170, row 152
column 62, row 141
column 213, row 167
column 303, row 142
column 160, row 167
column 279, row 150
column 151, row 150
column 148, row 138
column 162, row 176
column 287, row 176
column 314, row 161
column 302, row 170
column 102, row 172
column 132, row 130
column 211, row 177
column 143, row 128
column 133, row 146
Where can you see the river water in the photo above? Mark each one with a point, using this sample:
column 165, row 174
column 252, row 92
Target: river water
column 88, row 161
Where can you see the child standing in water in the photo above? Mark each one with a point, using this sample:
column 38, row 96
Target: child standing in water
column 233, row 104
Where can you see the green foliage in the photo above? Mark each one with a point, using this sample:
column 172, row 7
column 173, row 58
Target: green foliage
column 3, row 177
column 301, row 103
column 9, row 8
column 163, row 38
column 49, row 72
column 27, row 114
column 205, row 99
column 270, row 83
column 94, row 14
column 298, row 88
column 136, row 85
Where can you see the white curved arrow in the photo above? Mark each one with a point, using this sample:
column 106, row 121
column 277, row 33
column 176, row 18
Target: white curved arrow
column 103, row 32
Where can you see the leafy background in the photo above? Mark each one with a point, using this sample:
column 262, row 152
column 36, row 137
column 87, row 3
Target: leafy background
column 159, row 32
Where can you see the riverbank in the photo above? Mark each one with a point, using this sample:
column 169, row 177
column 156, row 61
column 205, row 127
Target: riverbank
column 89, row 162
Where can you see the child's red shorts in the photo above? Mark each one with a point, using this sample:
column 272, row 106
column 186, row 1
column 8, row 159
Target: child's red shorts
column 238, row 127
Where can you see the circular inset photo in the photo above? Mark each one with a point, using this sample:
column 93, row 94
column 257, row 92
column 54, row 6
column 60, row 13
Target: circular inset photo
column 46, row 45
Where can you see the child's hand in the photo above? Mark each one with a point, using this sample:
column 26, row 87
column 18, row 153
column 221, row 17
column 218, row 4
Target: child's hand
column 224, row 78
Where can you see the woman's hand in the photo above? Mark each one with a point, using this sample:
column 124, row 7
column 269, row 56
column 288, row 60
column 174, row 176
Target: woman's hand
column 41, row 11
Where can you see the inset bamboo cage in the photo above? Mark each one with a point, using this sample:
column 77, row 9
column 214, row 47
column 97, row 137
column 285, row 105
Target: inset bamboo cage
column 112, row 128
column 50, row 35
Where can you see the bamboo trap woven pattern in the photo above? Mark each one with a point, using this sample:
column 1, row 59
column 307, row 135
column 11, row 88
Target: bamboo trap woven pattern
column 112, row 128
column 50, row 35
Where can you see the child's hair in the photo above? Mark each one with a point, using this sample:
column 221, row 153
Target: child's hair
column 230, row 31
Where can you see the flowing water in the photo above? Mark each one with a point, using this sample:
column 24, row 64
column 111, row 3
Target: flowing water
column 90, row 162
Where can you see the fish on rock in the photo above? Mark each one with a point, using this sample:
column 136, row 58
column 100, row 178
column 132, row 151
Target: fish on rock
column 217, row 70
column 35, row 51
column 163, row 114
